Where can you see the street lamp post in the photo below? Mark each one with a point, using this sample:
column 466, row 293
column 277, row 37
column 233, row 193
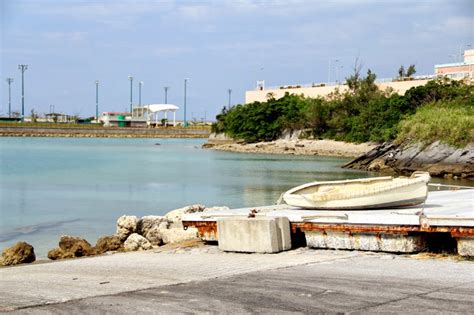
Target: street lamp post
column 22, row 68
column 9, row 81
column 140, row 93
column 329, row 68
column 131, row 94
column 166, row 94
column 97, row 101
column 337, row 73
column 230, row 97
column 185, row 85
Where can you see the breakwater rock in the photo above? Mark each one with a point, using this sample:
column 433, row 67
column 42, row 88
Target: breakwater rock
column 439, row 159
column 19, row 253
column 133, row 234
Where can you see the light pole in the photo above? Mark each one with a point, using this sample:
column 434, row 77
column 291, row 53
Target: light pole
column 131, row 94
column 337, row 73
column 22, row 68
column 9, row 81
column 185, row 84
column 140, row 93
column 96, row 101
column 230, row 97
column 329, row 68
column 166, row 94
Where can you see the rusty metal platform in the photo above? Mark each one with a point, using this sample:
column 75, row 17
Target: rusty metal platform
column 444, row 211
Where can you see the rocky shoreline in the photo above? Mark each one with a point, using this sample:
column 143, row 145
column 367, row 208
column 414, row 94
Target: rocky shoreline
column 132, row 234
column 296, row 147
column 440, row 160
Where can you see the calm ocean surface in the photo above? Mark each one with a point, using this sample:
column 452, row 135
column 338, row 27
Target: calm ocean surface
column 55, row 186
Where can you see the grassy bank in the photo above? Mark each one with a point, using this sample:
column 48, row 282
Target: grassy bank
column 450, row 122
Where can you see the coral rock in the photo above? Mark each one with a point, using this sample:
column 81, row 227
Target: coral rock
column 137, row 242
column 126, row 225
column 70, row 247
column 19, row 253
column 147, row 223
column 108, row 243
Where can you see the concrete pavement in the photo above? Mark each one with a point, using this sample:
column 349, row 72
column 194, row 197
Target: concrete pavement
column 206, row 280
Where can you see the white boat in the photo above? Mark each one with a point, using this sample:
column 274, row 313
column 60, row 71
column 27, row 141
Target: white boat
column 367, row 193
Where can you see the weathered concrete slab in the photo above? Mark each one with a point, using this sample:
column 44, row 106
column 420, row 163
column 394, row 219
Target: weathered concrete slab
column 394, row 243
column 254, row 235
column 465, row 246
column 360, row 283
column 61, row 281
column 454, row 207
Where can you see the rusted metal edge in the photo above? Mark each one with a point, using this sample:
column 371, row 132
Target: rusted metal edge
column 208, row 229
column 456, row 231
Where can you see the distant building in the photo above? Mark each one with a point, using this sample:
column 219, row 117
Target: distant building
column 452, row 70
column 115, row 119
column 323, row 89
column 458, row 70
column 57, row 117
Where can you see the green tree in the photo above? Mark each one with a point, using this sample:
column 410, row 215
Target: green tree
column 411, row 71
column 401, row 72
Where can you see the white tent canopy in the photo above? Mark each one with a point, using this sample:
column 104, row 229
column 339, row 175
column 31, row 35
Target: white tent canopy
column 154, row 109
column 161, row 107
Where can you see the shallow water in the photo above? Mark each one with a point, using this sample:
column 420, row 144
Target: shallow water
column 55, row 186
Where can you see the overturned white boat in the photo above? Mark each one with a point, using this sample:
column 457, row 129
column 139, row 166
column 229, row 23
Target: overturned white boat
column 366, row 193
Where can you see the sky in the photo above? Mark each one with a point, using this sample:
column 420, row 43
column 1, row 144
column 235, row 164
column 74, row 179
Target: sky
column 218, row 45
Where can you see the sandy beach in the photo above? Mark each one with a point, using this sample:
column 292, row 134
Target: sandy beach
column 298, row 147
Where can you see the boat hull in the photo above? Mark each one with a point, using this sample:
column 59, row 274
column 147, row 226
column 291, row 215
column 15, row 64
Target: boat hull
column 390, row 194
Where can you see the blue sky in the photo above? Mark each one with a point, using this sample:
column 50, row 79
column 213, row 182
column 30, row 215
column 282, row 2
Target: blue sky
column 216, row 44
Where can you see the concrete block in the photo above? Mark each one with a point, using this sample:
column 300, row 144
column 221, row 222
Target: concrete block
column 253, row 235
column 466, row 246
column 283, row 232
column 395, row 243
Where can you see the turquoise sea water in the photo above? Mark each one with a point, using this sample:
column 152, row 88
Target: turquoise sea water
column 55, row 186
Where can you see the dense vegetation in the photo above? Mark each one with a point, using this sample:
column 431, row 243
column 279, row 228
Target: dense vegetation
column 440, row 110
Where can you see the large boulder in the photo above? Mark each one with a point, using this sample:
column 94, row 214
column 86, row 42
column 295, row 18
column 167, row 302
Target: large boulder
column 71, row 247
column 126, row 225
column 155, row 234
column 177, row 235
column 173, row 231
column 174, row 216
column 19, row 253
column 136, row 242
column 108, row 243
column 145, row 224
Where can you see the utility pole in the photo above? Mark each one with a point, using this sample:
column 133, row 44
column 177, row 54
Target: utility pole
column 166, row 94
column 185, row 83
column 9, row 81
column 131, row 94
column 230, row 97
column 97, row 101
column 22, row 68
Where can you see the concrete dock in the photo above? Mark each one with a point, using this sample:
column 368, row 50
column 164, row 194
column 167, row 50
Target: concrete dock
column 444, row 215
column 204, row 279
